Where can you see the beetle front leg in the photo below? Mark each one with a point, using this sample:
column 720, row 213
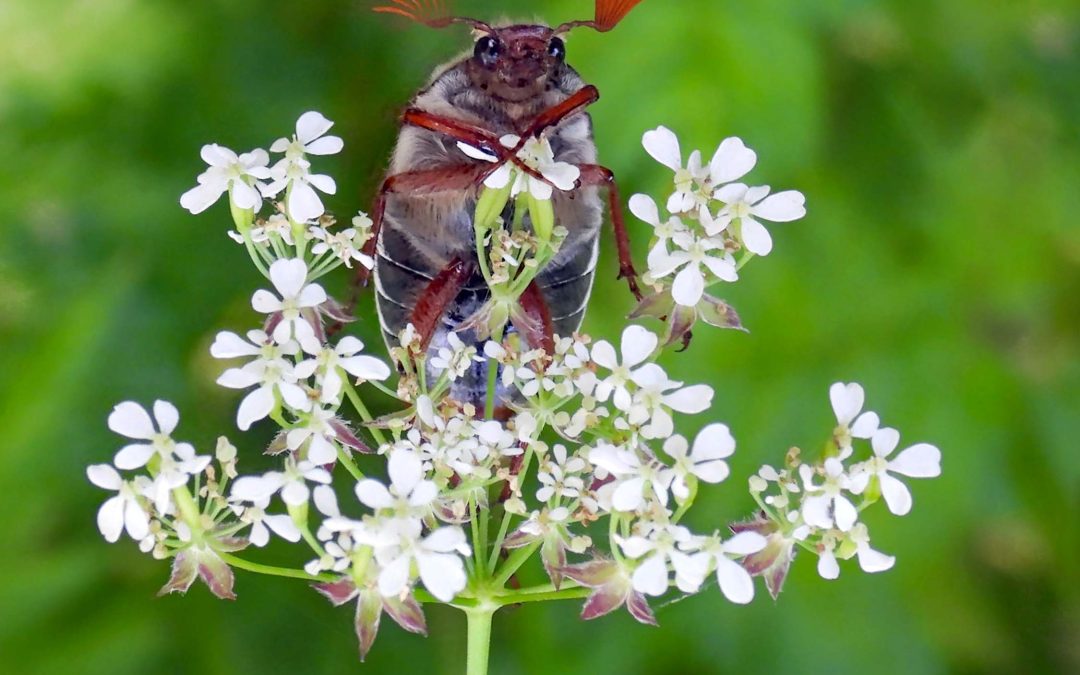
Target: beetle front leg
column 541, row 334
column 600, row 176
column 555, row 115
column 431, row 306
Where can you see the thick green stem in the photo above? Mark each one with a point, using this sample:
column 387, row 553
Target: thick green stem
column 479, row 641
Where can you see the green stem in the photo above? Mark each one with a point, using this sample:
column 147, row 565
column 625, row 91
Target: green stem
column 515, row 561
column 365, row 415
column 349, row 464
column 479, row 640
column 492, row 379
column 258, row 568
column 545, row 596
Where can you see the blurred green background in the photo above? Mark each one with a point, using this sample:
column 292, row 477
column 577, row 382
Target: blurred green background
column 938, row 144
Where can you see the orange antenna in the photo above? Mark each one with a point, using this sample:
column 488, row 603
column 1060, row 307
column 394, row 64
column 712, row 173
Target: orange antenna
column 608, row 15
column 433, row 13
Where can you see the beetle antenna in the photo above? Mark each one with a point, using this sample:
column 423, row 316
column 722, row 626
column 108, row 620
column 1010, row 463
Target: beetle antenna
column 432, row 13
column 608, row 15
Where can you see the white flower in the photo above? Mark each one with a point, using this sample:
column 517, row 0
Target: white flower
column 645, row 209
column 317, row 429
column 293, row 172
column 558, row 476
column 825, row 505
column 870, row 560
column 345, row 356
column 919, row 461
column 847, row 403
column 657, row 394
column 749, row 205
column 638, row 344
column 664, row 544
column 735, row 582
column 695, row 183
column 536, row 154
column 263, row 523
column 345, row 245
column 437, row 558
column 687, row 260
column 239, row 176
column 133, row 421
column 456, row 359
column 627, row 491
column 310, row 138
column 288, row 277
column 705, row 460
column 270, row 371
column 121, row 511
column 291, row 483
column 409, row 493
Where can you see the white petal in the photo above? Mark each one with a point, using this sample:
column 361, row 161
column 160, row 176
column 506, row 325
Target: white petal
column 201, row 197
column 884, row 441
column 827, row 566
column 714, row 471
column 815, row 511
column 265, row 302
column 651, row 576
column 133, row 456
column 604, row 355
column 239, row 378
column 446, row 540
column 638, row 344
column 732, row 161
column 230, row 345
column 374, row 494
column 131, row 419
column 757, row 239
column 896, row 495
column 395, row 576
column 690, row 400
column 564, row 176
column 866, row 425
column 845, row 512
column 311, row 125
column 874, row 561
column 255, row 406
column 295, row 493
column 110, row 518
column 104, row 476
column 217, row 155
column 730, row 194
column 288, row 276
column 477, row 153
column 304, row 203
column 635, row 547
column 689, row 286
column 245, row 196
column 328, row 145
column 644, row 208
column 284, row 527
column 499, row 178
column 745, row 543
column 323, row 183
column 919, row 461
column 782, row 207
column 713, row 442
column 167, row 416
column 366, row 368
column 627, row 496
column 312, row 295
column 406, row 470
column 135, row 521
column 663, row 145
column 443, row 575
column 724, row 268
column 847, row 400
column 735, row 582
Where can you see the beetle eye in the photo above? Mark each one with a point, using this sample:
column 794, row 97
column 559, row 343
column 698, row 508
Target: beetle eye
column 557, row 49
column 487, row 50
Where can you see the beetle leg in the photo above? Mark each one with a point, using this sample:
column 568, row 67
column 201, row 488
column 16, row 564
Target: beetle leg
column 541, row 333
column 470, row 134
column 437, row 296
column 596, row 175
column 554, row 115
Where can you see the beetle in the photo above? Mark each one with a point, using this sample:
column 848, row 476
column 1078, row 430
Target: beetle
column 515, row 80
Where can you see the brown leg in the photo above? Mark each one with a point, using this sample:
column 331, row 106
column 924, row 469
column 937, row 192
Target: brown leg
column 554, row 115
column 594, row 174
column 458, row 130
column 432, row 303
column 541, row 333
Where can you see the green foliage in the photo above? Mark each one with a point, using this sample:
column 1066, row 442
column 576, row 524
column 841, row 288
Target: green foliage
column 939, row 148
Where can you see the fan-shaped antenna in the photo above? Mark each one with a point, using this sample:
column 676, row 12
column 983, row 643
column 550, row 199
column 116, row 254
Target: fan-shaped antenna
column 432, row 13
column 608, row 15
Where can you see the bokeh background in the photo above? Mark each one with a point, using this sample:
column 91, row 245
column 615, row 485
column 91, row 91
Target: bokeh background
column 938, row 144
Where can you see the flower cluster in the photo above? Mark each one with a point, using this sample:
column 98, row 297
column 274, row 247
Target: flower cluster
column 714, row 227
column 572, row 432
